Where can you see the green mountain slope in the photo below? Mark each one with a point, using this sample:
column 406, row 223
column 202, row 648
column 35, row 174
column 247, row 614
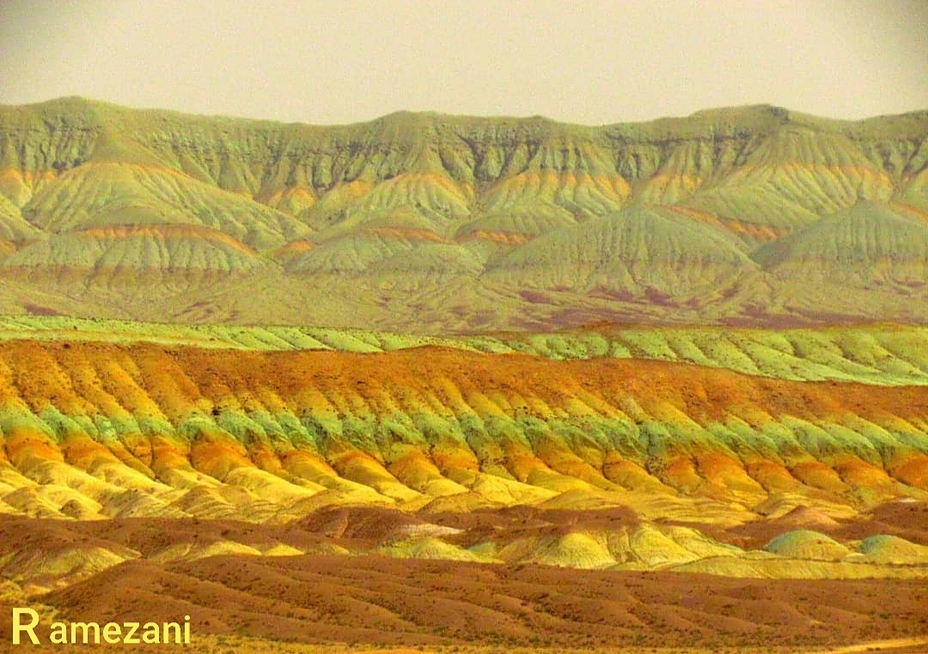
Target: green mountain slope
column 429, row 222
column 637, row 252
column 868, row 242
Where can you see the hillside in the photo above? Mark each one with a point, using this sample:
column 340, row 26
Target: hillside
column 431, row 223
column 107, row 430
column 881, row 354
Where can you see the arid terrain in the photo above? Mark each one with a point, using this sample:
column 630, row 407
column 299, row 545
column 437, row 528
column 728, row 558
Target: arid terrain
column 431, row 224
column 447, row 384
column 528, row 493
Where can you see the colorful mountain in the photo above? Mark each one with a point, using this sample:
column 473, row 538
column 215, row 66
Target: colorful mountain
column 431, row 223
column 446, row 382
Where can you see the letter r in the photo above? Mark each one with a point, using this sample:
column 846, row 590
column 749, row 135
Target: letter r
column 18, row 627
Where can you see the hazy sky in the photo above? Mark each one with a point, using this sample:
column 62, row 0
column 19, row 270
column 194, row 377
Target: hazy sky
column 584, row 61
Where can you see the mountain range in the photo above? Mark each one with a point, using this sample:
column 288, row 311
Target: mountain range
column 430, row 223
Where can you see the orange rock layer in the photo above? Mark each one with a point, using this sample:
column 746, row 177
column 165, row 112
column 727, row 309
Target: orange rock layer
column 426, row 423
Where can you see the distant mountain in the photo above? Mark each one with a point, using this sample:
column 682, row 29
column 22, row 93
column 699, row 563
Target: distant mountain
column 435, row 223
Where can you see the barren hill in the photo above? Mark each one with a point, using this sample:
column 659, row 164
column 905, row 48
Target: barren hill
column 430, row 223
column 105, row 430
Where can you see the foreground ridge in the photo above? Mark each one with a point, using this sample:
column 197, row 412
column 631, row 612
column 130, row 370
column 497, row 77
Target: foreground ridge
column 302, row 428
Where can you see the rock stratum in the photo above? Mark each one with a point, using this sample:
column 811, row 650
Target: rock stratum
column 428, row 223
column 127, row 426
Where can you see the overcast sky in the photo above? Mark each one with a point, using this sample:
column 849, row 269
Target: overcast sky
column 582, row 61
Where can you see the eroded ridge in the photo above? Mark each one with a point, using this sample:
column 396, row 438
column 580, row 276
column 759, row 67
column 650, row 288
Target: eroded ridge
column 96, row 430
